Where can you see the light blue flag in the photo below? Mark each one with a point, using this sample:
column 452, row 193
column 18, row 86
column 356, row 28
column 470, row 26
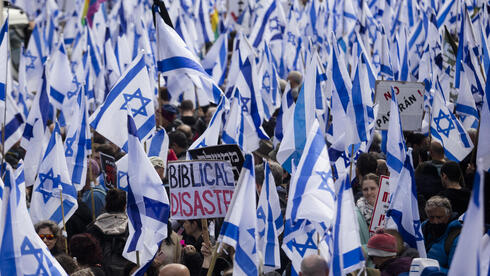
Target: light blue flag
column 270, row 222
column 174, row 57
column 395, row 144
column 35, row 136
column 215, row 62
column 78, row 142
column 239, row 229
column 60, row 78
column 133, row 92
column 148, row 207
column 404, row 210
column 467, row 256
column 448, row 131
column 22, row 252
column 53, row 186
column 347, row 252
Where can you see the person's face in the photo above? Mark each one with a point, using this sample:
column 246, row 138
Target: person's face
column 189, row 227
column 48, row 237
column 437, row 215
column 370, row 191
column 160, row 171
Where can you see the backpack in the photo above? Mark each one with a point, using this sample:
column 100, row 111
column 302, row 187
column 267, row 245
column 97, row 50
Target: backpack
column 112, row 247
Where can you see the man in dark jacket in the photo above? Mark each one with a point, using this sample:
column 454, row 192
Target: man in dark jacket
column 441, row 231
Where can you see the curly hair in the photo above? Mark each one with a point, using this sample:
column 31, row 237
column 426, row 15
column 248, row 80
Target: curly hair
column 86, row 249
column 55, row 229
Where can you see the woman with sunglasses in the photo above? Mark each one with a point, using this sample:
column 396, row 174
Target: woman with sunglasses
column 50, row 233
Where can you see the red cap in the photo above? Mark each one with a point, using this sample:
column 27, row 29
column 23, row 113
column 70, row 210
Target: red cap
column 382, row 244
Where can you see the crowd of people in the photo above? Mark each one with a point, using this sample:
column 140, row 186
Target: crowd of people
column 94, row 247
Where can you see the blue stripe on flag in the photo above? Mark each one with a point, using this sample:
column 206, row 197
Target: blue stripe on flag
column 156, row 143
column 466, row 110
column 265, row 20
column 134, row 215
column 175, row 63
column 56, row 95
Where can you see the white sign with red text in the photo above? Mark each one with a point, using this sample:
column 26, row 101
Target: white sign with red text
column 200, row 189
column 381, row 206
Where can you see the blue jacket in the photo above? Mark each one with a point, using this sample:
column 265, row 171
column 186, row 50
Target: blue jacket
column 436, row 247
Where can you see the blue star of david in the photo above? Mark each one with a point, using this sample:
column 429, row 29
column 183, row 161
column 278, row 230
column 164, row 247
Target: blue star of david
column 346, row 159
column 291, row 38
column 261, row 214
column 29, row 55
column 462, row 117
column 301, row 248
column 416, row 227
column 324, row 185
column 266, row 81
column 274, row 24
column 27, row 248
column 73, row 64
column 244, row 101
column 251, row 231
column 474, row 90
column 69, row 143
column 152, row 34
column 202, row 144
column 439, row 119
column 419, row 48
column 55, row 181
column 136, row 95
column 120, row 175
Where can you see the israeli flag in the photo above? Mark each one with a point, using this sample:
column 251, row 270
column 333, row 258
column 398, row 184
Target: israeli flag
column 286, row 110
column 22, row 252
column 132, row 92
column 467, row 258
column 203, row 22
column 447, row 14
column 404, row 210
column 216, row 60
column 78, row 143
column 270, row 222
column 174, row 57
column 312, row 191
column 483, row 150
column 395, row 144
column 35, row 136
column 60, row 78
column 53, row 185
column 271, row 23
column 11, row 116
column 465, row 106
column 239, row 229
column 447, row 130
column 211, row 135
column 269, row 83
column 347, row 252
column 112, row 69
column 35, row 60
column 291, row 47
column 159, row 145
column 147, row 204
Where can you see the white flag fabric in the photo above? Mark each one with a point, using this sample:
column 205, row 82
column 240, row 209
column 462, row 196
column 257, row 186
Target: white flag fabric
column 404, row 210
column 467, row 259
column 395, row 145
column 60, row 78
column 148, row 207
column 347, row 251
column 239, row 227
column 53, row 185
column 270, row 222
column 133, row 92
column 22, row 252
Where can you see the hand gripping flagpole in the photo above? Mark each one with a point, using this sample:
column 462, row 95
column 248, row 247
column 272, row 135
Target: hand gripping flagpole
column 63, row 216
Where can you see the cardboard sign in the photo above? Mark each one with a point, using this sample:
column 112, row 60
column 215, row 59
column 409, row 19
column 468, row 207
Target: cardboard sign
column 382, row 204
column 410, row 97
column 200, row 189
column 109, row 170
column 231, row 153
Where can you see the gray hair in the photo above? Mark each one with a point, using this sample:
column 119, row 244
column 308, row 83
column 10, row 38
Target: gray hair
column 439, row 202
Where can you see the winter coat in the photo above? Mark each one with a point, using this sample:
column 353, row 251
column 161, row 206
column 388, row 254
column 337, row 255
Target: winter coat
column 436, row 247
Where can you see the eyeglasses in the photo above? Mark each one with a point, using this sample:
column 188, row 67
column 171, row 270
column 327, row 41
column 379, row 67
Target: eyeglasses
column 49, row 237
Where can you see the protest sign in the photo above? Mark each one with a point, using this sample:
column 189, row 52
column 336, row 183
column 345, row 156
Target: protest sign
column 231, row 153
column 200, row 189
column 382, row 204
column 410, row 96
column 109, row 170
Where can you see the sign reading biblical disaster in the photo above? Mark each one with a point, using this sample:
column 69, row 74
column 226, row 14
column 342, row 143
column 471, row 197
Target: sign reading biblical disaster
column 200, row 189
column 410, row 98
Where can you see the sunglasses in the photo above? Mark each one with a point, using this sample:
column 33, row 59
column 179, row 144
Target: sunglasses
column 49, row 237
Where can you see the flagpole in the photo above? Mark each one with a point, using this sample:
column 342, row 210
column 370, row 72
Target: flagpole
column 63, row 216
column 213, row 259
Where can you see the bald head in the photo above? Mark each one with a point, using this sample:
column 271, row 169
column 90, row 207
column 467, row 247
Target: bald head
column 295, row 78
column 436, row 151
column 314, row 265
column 174, row 270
